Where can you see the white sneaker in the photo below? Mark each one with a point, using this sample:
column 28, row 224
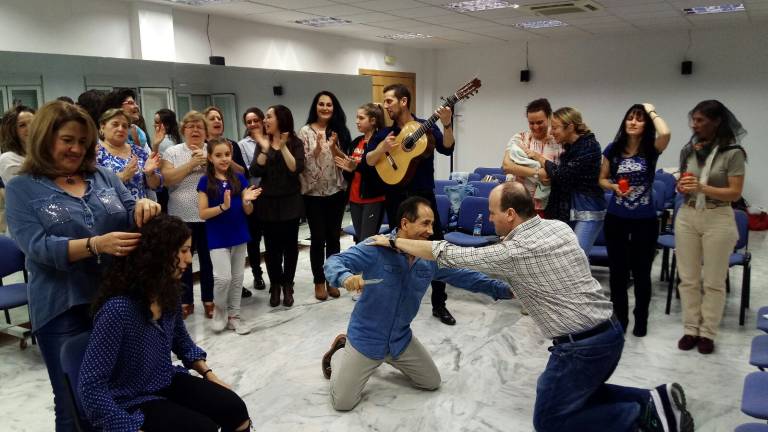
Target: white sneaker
column 238, row 325
column 219, row 321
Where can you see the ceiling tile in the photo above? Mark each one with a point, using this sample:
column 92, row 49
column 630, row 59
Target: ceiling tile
column 335, row 11
column 422, row 12
column 389, row 5
column 293, row 4
column 371, row 17
column 450, row 19
column 245, row 8
column 286, row 16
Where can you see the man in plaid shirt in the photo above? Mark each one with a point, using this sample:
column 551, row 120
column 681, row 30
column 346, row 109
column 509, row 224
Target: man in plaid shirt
column 548, row 271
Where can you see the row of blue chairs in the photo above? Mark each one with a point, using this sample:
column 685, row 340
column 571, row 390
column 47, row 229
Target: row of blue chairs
column 13, row 295
column 755, row 393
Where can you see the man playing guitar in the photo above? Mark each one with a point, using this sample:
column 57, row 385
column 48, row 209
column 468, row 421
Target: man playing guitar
column 397, row 104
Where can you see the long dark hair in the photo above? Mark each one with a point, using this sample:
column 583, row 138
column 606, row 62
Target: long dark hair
column 149, row 272
column 284, row 119
column 259, row 114
column 212, row 187
column 9, row 134
column 168, row 119
column 338, row 122
column 647, row 140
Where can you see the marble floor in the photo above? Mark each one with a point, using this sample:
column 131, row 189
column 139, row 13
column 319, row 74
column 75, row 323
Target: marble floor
column 489, row 363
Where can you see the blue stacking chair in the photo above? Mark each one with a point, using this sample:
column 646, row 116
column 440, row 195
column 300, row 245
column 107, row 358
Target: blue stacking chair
column 742, row 257
column 483, row 189
column 72, row 353
column 443, row 208
column 470, row 207
column 13, row 295
column 598, row 255
column 755, row 395
column 474, row 177
column 670, row 185
column 758, row 356
column 762, row 321
column 484, row 171
column 752, row 427
column 440, row 186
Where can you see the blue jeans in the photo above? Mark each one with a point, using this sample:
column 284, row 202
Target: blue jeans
column 587, row 232
column 50, row 338
column 571, row 393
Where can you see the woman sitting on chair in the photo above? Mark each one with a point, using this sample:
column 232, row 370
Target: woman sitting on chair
column 127, row 380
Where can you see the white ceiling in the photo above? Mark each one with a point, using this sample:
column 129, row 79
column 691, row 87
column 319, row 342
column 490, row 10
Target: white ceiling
column 452, row 29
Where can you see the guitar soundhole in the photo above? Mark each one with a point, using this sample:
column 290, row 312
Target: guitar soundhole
column 408, row 144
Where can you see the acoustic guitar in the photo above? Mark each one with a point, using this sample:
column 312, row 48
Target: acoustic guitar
column 398, row 165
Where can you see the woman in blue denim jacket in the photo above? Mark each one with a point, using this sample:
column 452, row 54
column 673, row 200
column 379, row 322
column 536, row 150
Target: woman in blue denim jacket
column 576, row 197
column 68, row 217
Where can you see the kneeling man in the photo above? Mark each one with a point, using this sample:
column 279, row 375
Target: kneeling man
column 380, row 327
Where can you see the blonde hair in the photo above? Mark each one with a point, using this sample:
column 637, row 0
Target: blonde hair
column 42, row 136
column 112, row 113
column 193, row 116
column 571, row 116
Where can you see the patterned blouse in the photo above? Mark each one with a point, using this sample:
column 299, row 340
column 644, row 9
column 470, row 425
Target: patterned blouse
column 137, row 185
column 321, row 176
column 548, row 147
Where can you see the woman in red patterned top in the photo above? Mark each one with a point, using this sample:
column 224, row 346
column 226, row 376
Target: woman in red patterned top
column 366, row 197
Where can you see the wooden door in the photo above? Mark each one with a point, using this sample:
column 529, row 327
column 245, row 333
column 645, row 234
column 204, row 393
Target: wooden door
column 381, row 79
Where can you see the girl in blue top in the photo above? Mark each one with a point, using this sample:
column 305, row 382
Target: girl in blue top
column 224, row 200
column 631, row 227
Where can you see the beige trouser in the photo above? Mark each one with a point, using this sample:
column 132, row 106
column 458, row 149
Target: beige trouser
column 351, row 371
column 703, row 239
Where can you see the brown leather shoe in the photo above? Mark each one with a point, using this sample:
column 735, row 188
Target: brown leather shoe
column 687, row 342
column 320, row 292
column 274, row 295
column 332, row 291
column 706, row 345
column 208, row 306
column 288, row 294
column 338, row 343
column 187, row 310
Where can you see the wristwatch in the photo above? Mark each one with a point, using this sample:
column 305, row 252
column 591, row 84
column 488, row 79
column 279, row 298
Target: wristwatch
column 392, row 242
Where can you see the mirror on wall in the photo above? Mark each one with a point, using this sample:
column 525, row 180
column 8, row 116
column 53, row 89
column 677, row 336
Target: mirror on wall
column 33, row 79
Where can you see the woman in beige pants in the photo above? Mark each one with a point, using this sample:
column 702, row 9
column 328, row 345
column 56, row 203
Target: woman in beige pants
column 711, row 177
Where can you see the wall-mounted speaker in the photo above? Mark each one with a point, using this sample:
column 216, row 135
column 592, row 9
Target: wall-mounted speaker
column 525, row 75
column 216, row 60
column 277, row 90
column 686, row 67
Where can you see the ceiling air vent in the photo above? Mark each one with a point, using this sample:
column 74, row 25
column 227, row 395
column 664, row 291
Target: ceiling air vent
column 562, row 8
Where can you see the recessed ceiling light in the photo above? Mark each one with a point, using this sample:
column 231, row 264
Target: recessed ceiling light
column 480, row 5
column 403, row 36
column 201, row 2
column 323, row 22
column 540, row 24
column 723, row 8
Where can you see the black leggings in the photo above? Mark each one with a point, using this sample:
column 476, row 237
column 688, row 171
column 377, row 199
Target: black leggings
column 324, row 215
column 193, row 404
column 281, row 245
column 393, row 201
column 254, row 246
column 631, row 245
column 199, row 246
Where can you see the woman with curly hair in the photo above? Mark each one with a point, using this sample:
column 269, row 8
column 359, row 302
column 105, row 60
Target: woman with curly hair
column 127, row 380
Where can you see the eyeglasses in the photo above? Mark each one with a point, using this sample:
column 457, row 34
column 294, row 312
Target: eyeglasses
column 194, row 126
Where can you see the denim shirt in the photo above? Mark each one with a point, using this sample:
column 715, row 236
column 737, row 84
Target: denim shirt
column 381, row 320
column 42, row 219
column 128, row 361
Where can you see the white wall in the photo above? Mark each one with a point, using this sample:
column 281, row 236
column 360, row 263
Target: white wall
column 602, row 77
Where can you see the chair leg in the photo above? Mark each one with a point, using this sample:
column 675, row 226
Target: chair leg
column 746, row 282
column 728, row 282
column 7, row 316
column 744, row 295
column 664, row 264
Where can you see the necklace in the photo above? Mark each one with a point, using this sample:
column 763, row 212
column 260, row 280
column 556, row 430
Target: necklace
column 71, row 179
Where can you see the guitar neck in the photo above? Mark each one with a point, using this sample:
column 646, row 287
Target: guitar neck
column 433, row 118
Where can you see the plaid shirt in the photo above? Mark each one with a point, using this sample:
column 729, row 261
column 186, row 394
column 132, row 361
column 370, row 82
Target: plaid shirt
column 547, row 270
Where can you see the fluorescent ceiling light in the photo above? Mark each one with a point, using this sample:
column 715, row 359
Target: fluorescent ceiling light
column 404, row 36
column 480, row 5
column 323, row 22
column 201, row 2
column 723, row 8
column 540, row 24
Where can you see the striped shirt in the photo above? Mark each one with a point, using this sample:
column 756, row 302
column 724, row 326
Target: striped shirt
column 547, row 270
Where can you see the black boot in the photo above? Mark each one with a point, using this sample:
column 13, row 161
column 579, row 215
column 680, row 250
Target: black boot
column 274, row 295
column 288, row 294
